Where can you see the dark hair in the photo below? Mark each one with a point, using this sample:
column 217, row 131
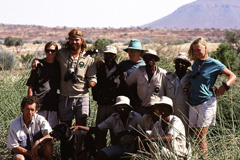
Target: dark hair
column 51, row 43
column 75, row 33
column 29, row 100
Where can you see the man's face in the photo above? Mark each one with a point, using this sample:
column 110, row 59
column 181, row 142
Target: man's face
column 123, row 110
column 149, row 60
column 28, row 111
column 181, row 65
column 134, row 55
column 162, row 110
column 75, row 43
column 109, row 58
column 50, row 52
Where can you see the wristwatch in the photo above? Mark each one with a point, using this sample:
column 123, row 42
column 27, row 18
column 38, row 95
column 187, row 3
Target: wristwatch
column 226, row 85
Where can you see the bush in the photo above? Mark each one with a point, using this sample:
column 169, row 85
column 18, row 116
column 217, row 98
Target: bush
column 62, row 41
column 89, row 40
column 100, row 44
column 177, row 41
column 227, row 56
column 27, row 58
column 39, row 41
column 7, row 60
column 146, row 40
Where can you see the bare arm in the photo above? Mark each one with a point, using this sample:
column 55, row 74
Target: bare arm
column 21, row 150
column 231, row 78
column 167, row 138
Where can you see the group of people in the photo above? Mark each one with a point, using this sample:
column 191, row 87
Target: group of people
column 135, row 98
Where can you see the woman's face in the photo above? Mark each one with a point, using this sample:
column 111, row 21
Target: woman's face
column 51, row 52
column 199, row 51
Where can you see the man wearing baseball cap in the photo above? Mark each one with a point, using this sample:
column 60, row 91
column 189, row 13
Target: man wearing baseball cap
column 110, row 85
column 148, row 79
column 176, row 86
column 160, row 125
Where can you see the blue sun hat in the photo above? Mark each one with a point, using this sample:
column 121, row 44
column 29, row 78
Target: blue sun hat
column 134, row 44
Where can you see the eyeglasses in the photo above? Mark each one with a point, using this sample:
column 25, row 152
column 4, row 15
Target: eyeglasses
column 50, row 50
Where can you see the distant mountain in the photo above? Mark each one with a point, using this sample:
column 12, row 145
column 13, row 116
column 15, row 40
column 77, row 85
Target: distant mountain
column 218, row 14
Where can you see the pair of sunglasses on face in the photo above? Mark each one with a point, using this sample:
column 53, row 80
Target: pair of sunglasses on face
column 50, row 50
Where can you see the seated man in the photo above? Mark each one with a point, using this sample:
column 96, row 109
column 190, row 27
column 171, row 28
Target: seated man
column 163, row 130
column 28, row 136
column 122, row 123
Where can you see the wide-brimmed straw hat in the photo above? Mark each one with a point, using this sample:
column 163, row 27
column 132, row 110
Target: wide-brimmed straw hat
column 150, row 52
column 110, row 49
column 183, row 56
column 155, row 100
column 134, row 44
column 122, row 100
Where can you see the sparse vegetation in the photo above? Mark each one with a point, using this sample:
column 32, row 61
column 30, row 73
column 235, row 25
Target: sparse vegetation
column 11, row 41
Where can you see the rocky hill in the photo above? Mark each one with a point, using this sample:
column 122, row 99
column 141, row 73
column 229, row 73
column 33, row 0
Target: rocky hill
column 218, row 14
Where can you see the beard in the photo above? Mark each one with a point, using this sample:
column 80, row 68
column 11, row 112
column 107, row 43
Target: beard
column 75, row 47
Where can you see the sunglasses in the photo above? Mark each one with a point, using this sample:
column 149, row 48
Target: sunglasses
column 50, row 50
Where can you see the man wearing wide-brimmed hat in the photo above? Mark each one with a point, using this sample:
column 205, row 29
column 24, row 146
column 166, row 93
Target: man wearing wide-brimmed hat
column 123, row 124
column 160, row 125
column 134, row 50
column 148, row 79
column 176, row 85
column 110, row 85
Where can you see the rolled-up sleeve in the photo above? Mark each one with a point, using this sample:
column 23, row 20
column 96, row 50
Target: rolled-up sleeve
column 92, row 71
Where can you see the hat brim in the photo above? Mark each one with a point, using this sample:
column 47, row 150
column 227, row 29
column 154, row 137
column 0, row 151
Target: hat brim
column 169, row 105
column 118, row 104
column 126, row 49
column 189, row 63
column 156, row 57
column 109, row 52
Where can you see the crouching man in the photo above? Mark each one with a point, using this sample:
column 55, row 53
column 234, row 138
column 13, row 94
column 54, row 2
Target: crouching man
column 123, row 123
column 165, row 133
column 28, row 136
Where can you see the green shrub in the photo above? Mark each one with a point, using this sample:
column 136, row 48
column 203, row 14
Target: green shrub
column 27, row 58
column 39, row 41
column 100, row 44
column 7, row 60
column 227, row 56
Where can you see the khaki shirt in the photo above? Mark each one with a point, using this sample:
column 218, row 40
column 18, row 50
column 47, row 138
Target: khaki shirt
column 19, row 134
column 176, row 129
column 86, row 72
column 145, row 89
column 178, row 92
column 115, row 124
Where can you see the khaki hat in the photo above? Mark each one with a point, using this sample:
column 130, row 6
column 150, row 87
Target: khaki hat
column 110, row 49
column 120, row 100
column 150, row 52
column 183, row 56
column 155, row 100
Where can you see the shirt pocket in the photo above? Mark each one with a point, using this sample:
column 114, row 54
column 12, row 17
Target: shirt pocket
column 170, row 89
column 22, row 140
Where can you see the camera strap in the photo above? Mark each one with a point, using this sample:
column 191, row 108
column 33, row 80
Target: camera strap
column 68, row 65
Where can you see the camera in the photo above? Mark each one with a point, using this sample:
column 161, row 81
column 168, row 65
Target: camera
column 92, row 52
column 70, row 76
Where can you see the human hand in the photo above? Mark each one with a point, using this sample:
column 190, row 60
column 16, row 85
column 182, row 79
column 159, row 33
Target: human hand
column 91, row 84
column 34, row 150
column 74, row 128
column 220, row 91
column 35, row 63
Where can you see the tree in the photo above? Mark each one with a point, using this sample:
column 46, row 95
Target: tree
column 11, row 41
column 233, row 38
column 227, row 56
column 100, row 44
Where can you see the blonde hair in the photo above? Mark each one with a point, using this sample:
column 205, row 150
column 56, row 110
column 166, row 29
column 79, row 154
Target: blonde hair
column 199, row 41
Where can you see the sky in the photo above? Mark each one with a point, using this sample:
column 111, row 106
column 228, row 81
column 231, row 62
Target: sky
column 87, row 13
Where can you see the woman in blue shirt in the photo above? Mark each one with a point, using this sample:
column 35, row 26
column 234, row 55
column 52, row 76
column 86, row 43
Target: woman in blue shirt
column 205, row 70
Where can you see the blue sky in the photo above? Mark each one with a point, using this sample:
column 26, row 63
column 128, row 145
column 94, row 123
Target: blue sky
column 87, row 13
